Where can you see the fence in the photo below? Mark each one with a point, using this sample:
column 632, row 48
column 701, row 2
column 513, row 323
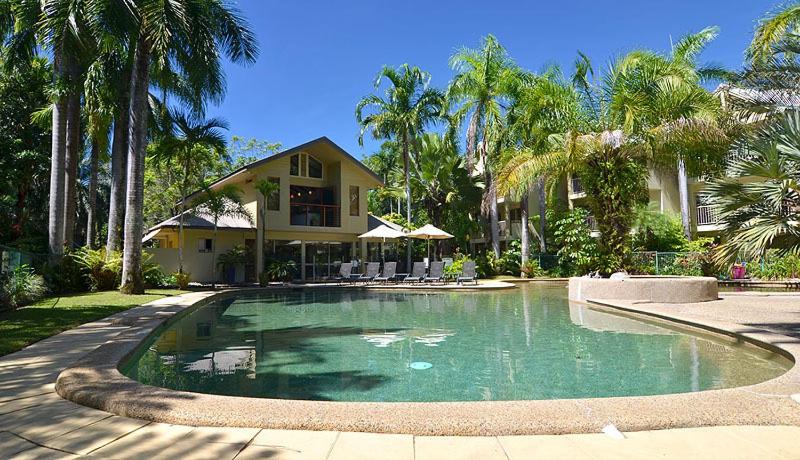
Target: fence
column 667, row 263
column 546, row 261
column 11, row 258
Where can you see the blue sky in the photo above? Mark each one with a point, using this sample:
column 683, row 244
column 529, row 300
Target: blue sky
column 319, row 58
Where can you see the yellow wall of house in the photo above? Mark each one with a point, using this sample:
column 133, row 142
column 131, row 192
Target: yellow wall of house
column 197, row 263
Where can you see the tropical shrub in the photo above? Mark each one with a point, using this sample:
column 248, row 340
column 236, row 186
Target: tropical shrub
column 577, row 249
column 775, row 267
column 20, row 286
column 182, row 279
column 457, row 266
column 281, row 270
column 531, row 269
column 485, row 265
column 509, row 261
column 102, row 273
column 66, row 276
column 655, row 231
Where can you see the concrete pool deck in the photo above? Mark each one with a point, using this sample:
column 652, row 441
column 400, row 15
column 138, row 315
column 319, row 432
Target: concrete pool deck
column 36, row 423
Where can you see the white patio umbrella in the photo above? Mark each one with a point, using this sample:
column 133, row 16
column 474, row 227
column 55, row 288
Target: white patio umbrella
column 383, row 233
column 429, row 232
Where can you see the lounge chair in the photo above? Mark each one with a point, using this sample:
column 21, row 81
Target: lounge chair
column 467, row 273
column 436, row 274
column 389, row 269
column 345, row 272
column 370, row 272
column 417, row 273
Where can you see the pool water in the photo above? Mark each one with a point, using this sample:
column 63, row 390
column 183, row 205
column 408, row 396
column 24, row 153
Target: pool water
column 348, row 345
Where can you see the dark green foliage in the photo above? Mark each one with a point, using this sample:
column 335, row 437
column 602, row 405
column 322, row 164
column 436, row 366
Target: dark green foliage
column 615, row 185
column 20, row 286
column 658, row 232
column 577, row 249
column 281, row 270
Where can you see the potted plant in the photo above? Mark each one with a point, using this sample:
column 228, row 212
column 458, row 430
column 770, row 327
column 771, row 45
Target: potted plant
column 230, row 260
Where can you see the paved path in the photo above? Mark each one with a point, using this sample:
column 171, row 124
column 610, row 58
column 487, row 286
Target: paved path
column 35, row 423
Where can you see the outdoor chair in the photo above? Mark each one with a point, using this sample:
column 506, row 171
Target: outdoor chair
column 345, row 272
column 467, row 273
column 417, row 273
column 436, row 274
column 370, row 272
column 389, row 269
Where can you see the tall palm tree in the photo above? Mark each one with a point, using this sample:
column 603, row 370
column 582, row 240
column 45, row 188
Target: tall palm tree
column 407, row 107
column 544, row 105
column 485, row 80
column 178, row 146
column 440, row 177
column 757, row 216
column 772, row 30
column 618, row 133
column 189, row 35
column 223, row 202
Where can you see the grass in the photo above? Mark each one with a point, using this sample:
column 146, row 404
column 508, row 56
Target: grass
column 20, row 328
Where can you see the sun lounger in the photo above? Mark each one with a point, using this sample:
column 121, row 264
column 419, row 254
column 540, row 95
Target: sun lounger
column 467, row 273
column 389, row 269
column 345, row 272
column 417, row 273
column 436, row 274
column 370, row 272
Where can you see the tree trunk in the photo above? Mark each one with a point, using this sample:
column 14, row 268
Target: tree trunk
column 472, row 140
column 73, row 153
column 542, row 216
column 181, row 210
column 91, row 215
column 407, row 171
column 132, row 282
column 58, row 155
column 494, row 216
column 525, row 235
column 683, row 191
column 119, row 153
column 214, row 256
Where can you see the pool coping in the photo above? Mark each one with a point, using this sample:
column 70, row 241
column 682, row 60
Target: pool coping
column 95, row 381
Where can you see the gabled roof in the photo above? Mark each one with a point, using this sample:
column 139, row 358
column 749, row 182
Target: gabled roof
column 293, row 150
column 201, row 220
column 374, row 222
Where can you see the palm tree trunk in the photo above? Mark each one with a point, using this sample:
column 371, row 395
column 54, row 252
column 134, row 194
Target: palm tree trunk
column 132, row 282
column 683, row 191
column 472, row 140
column 525, row 235
column 542, row 215
column 407, row 171
column 119, row 153
column 181, row 210
column 73, row 142
column 214, row 256
column 58, row 155
column 494, row 215
column 91, row 215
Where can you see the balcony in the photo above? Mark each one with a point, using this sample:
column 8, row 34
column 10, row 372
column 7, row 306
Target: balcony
column 315, row 215
column 706, row 215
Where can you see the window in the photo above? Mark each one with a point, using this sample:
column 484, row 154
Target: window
column 305, row 165
column 274, row 199
column 203, row 330
column 314, row 168
column 205, row 245
column 516, row 215
column 354, row 200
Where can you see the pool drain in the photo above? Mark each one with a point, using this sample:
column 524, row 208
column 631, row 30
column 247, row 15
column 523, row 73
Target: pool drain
column 420, row 365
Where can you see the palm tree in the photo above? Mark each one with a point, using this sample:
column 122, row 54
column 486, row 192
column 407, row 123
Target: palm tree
column 223, row 202
column 266, row 188
column 177, row 146
column 191, row 36
column 772, row 30
column 440, row 177
column 485, row 80
column 407, row 107
column 544, row 105
column 757, row 216
column 617, row 134
column 385, row 164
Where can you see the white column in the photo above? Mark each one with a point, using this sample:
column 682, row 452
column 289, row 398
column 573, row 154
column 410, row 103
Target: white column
column 303, row 260
column 259, row 244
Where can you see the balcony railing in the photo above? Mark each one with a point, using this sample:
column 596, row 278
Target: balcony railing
column 315, row 215
column 577, row 186
column 706, row 215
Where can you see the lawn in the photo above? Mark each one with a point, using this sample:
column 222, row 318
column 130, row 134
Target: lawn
column 50, row 316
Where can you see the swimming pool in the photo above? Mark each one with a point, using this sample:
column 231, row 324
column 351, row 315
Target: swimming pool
column 354, row 345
